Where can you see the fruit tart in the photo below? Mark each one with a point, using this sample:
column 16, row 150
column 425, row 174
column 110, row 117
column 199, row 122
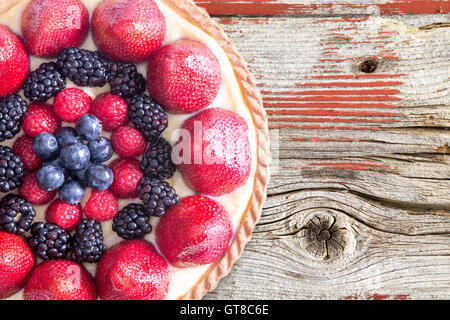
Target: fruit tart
column 134, row 150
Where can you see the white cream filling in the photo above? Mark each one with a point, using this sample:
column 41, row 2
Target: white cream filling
column 230, row 97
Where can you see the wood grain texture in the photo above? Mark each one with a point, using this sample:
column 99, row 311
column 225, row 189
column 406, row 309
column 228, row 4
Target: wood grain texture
column 324, row 7
column 359, row 204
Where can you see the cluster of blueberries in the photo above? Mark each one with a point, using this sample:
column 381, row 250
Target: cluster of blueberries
column 70, row 163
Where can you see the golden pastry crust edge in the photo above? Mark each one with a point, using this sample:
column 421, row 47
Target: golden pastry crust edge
column 222, row 267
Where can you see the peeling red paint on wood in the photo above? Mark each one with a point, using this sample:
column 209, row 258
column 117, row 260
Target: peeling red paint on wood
column 324, row 120
column 337, row 92
column 318, row 127
column 342, row 139
column 273, row 7
column 360, row 76
column 328, row 105
column 315, row 112
column 332, row 98
column 350, row 84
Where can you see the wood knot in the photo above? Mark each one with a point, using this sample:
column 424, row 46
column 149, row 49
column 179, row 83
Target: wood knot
column 323, row 236
column 368, row 66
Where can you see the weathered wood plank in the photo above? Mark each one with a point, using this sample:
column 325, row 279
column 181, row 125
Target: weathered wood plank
column 359, row 204
column 323, row 7
column 336, row 245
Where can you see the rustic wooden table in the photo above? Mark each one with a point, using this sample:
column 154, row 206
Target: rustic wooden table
column 358, row 100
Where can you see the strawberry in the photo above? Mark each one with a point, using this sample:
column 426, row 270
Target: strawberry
column 72, row 103
column 111, row 110
column 40, row 118
column 129, row 30
column 60, row 280
column 128, row 142
column 16, row 262
column 63, row 214
column 127, row 175
column 101, row 206
column 32, row 192
column 23, row 147
column 49, row 26
column 132, row 270
column 184, row 76
column 194, row 232
column 218, row 158
column 14, row 62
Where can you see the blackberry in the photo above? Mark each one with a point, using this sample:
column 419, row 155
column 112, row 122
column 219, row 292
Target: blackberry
column 87, row 242
column 125, row 80
column 44, row 83
column 12, row 111
column 85, row 68
column 147, row 116
column 157, row 160
column 132, row 222
column 157, row 196
column 49, row 241
column 12, row 206
column 11, row 170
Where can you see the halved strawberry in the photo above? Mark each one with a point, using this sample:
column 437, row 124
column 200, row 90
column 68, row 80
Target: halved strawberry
column 129, row 30
column 16, row 263
column 60, row 280
column 14, row 61
column 49, row 26
column 184, row 76
column 214, row 157
column 132, row 270
column 194, row 232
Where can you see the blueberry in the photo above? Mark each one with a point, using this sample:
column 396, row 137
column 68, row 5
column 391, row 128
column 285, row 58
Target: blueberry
column 99, row 176
column 50, row 177
column 45, row 145
column 67, row 135
column 80, row 174
column 56, row 162
column 75, row 156
column 71, row 192
column 101, row 150
column 89, row 127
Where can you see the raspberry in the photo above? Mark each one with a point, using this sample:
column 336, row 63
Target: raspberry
column 111, row 110
column 31, row 191
column 128, row 142
column 40, row 118
column 23, row 147
column 126, row 178
column 101, row 206
column 72, row 103
column 64, row 215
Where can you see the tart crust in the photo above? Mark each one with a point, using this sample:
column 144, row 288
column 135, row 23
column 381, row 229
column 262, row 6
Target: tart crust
column 198, row 16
